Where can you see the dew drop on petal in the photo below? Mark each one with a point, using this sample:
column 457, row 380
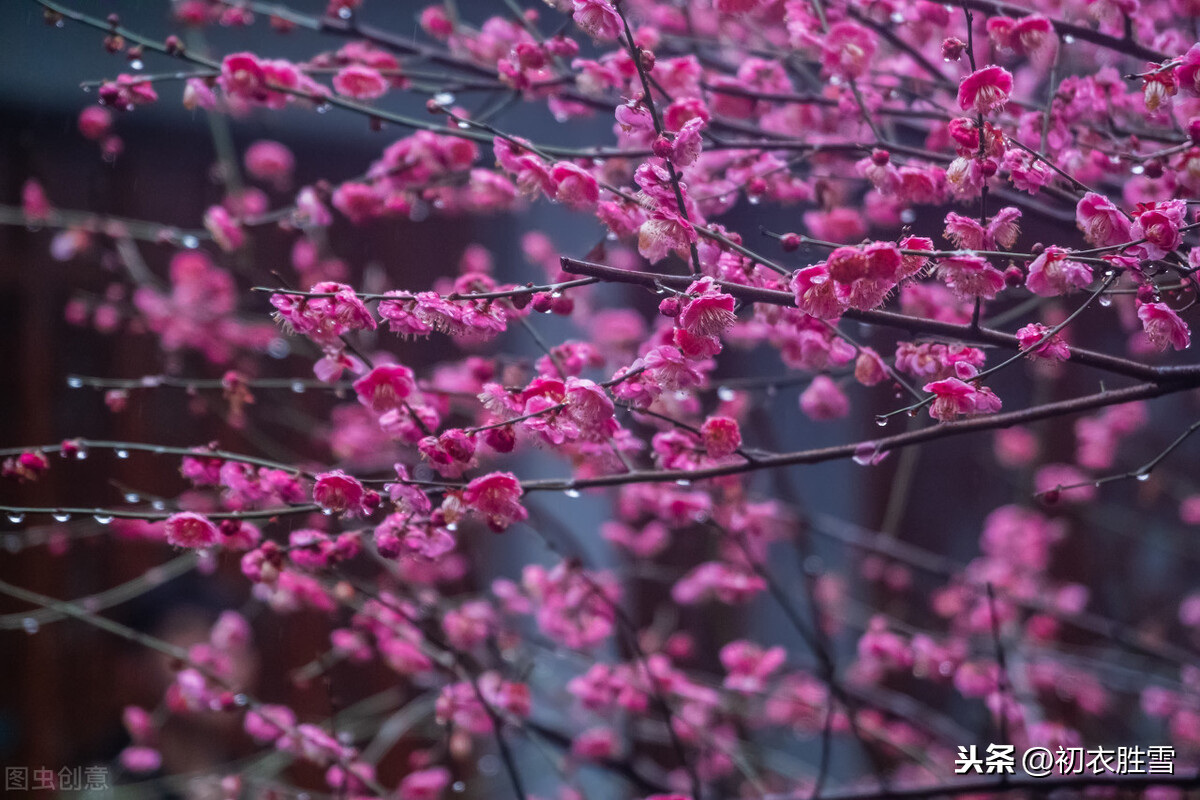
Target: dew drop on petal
column 866, row 454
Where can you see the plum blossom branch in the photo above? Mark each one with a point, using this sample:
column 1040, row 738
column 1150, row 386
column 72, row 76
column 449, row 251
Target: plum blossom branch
column 104, row 515
column 107, row 225
column 1141, row 473
column 887, row 444
column 136, row 587
column 917, row 325
column 179, row 654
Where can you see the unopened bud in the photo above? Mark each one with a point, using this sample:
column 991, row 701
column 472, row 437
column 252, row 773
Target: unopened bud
column 952, row 48
column 563, row 306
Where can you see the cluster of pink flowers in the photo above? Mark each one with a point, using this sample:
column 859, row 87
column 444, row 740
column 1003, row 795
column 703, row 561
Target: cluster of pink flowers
column 198, row 313
column 1053, row 159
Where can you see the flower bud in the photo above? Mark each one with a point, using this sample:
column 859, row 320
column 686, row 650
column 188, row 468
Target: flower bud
column 952, row 48
column 563, row 306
